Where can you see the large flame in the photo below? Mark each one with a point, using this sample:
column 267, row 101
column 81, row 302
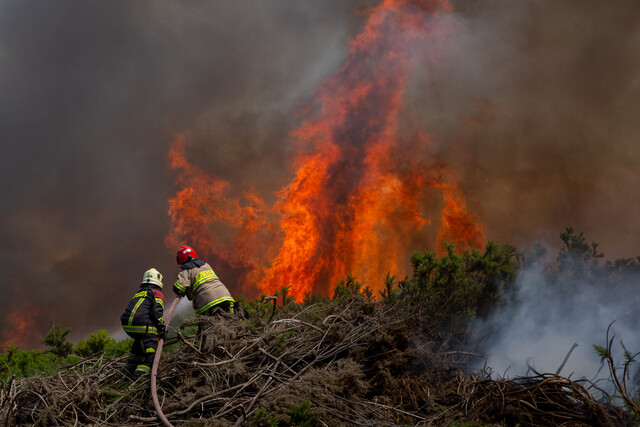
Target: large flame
column 360, row 188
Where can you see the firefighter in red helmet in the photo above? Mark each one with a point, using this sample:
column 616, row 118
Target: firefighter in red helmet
column 142, row 321
column 200, row 284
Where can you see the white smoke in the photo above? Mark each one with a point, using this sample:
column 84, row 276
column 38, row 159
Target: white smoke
column 546, row 317
column 183, row 310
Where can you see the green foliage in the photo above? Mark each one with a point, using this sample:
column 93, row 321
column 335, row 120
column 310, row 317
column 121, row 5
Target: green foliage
column 578, row 264
column 628, row 357
column 283, row 294
column 367, row 293
column 189, row 330
column 96, row 343
column 11, row 350
column 577, row 257
column 346, row 288
column 261, row 307
column 110, row 396
column 462, row 286
column 602, row 352
column 535, row 255
column 311, row 298
column 389, row 282
column 281, row 341
column 577, row 247
column 244, row 304
column 113, row 349
column 628, row 392
column 261, row 418
column 300, row 415
column 22, row 364
column 56, row 340
column 623, row 266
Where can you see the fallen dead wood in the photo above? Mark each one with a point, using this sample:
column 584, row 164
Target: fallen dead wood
column 354, row 362
column 541, row 400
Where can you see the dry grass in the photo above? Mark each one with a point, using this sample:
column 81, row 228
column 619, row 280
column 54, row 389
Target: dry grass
column 356, row 362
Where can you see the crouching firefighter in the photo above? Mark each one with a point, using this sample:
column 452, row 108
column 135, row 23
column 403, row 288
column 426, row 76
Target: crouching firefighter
column 142, row 321
column 200, row 284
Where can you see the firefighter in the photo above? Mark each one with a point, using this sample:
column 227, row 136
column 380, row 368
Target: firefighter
column 200, row 284
column 142, row 321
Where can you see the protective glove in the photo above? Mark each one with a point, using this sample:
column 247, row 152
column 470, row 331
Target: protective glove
column 162, row 330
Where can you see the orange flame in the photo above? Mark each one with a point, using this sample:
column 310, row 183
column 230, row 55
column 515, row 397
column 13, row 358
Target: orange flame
column 459, row 226
column 204, row 216
column 359, row 190
column 18, row 328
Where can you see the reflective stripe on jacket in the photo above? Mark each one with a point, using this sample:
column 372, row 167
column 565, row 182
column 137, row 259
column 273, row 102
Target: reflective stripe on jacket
column 144, row 312
column 202, row 286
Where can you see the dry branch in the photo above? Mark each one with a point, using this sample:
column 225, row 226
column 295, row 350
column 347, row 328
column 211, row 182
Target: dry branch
column 357, row 363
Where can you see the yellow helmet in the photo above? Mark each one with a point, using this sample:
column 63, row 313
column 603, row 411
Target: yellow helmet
column 152, row 276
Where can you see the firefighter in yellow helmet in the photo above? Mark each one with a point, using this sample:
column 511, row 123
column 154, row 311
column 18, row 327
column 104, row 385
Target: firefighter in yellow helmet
column 200, row 284
column 142, row 321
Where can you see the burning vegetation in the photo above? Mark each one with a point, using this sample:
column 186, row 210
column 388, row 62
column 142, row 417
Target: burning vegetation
column 365, row 189
column 362, row 191
column 404, row 358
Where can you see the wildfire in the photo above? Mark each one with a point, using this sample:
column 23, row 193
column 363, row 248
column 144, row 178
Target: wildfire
column 358, row 194
column 18, row 328
column 459, row 226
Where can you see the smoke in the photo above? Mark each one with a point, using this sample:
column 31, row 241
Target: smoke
column 92, row 96
column 532, row 104
column 538, row 103
column 546, row 317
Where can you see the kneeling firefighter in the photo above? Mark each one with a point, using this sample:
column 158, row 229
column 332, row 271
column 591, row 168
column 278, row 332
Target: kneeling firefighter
column 142, row 321
column 200, row 284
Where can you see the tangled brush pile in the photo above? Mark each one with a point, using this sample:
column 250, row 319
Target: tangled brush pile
column 349, row 361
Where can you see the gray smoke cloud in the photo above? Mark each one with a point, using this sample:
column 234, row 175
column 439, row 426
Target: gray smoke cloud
column 545, row 318
column 93, row 93
column 532, row 103
column 538, row 104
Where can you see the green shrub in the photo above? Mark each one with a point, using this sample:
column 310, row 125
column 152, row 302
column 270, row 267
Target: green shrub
column 311, row 299
column 284, row 294
column 24, row 364
column 460, row 287
column 96, row 343
column 300, row 415
column 56, row 340
column 347, row 288
column 261, row 418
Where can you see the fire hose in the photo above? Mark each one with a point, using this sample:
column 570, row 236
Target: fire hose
column 154, row 369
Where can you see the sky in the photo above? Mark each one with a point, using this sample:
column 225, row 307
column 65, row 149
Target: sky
column 532, row 104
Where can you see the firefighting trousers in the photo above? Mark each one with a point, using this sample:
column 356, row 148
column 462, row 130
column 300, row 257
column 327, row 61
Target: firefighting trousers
column 224, row 306
column 143, row 351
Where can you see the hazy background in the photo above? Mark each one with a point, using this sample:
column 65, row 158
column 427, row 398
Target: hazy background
column 534, row 105
column 545, row 318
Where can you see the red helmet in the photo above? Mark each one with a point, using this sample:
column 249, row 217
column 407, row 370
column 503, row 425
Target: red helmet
column 184, row 253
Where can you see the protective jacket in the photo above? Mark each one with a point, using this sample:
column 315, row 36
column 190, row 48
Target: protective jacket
column 144, row 313
column 200, row 284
